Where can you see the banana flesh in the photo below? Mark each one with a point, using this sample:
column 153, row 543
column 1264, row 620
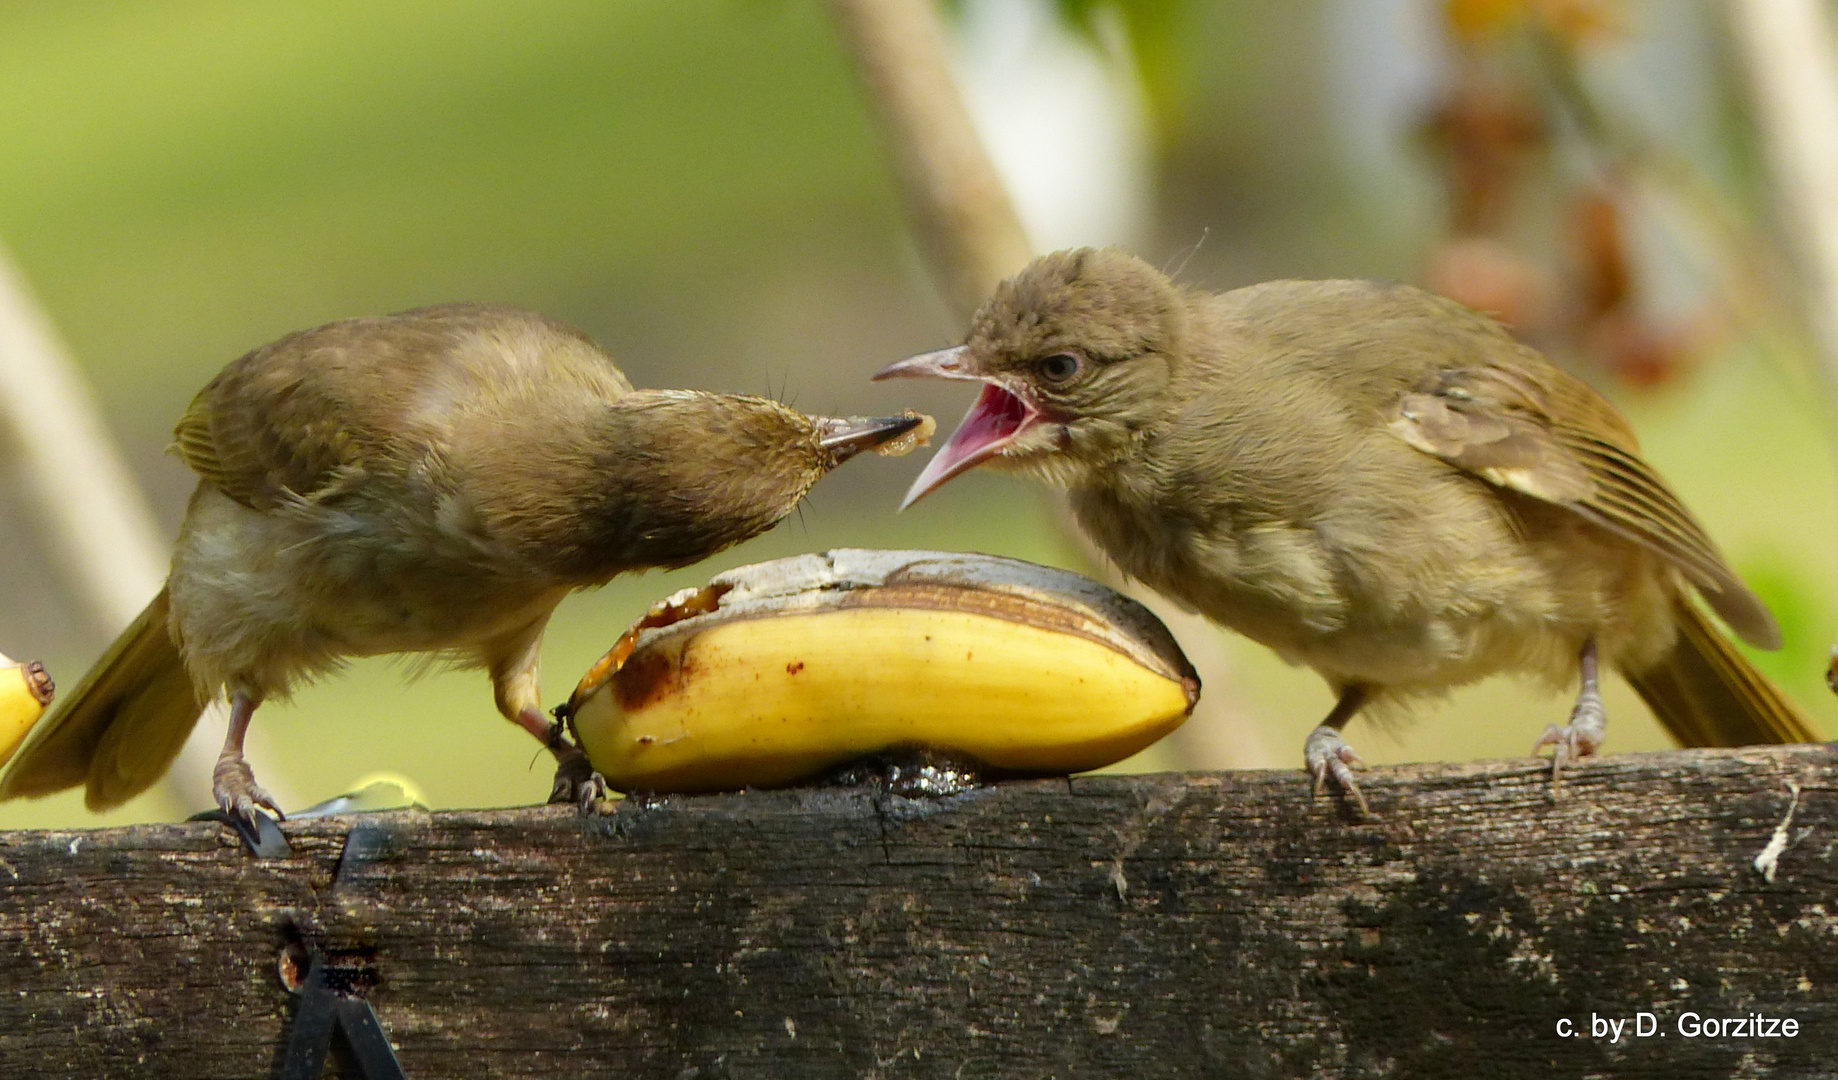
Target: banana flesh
column 902, row 445
column 775, row 673
column 25, row 690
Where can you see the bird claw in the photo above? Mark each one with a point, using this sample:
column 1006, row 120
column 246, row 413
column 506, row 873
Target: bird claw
column 237, row 794
column 577, row 783
column 1328, row 754
column 1578, row 739
column 592, row 795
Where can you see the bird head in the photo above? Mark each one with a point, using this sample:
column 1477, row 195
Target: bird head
column 743, row 463
column 1075, row 355
column 672, row 477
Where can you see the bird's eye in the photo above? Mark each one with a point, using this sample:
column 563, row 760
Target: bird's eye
column 1059, row 367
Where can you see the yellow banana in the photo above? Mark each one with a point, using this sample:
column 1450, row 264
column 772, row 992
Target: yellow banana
column 772, row 674
column 25, row 690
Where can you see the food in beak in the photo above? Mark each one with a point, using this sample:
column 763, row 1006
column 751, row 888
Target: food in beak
column 846, row 436
column 991, row 425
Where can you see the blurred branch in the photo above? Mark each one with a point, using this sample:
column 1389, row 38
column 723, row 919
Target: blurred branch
column 974, row 239
column 1790, row 52
column 95, row 524
column 954, row 200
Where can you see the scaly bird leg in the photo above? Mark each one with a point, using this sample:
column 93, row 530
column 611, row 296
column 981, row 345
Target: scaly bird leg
column 232, row 782
column 1327, row 754
column 517, row 687
column 1588, row 725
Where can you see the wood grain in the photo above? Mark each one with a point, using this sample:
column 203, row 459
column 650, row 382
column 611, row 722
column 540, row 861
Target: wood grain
column 1217, row 924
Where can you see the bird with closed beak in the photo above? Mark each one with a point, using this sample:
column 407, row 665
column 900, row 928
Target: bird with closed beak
column 1373, row 481
column 429, row 482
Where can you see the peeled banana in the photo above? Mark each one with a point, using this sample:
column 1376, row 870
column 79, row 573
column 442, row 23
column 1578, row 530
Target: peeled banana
column 775, row 673
column 25, row 690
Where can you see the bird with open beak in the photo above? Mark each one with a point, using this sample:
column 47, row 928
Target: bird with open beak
column 429, row 482
column 1375, row 482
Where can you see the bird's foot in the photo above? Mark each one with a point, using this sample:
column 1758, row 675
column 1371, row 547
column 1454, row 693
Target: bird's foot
column 576, row 782
column 234, row 787
column 1578, row 739
column 1328, row 754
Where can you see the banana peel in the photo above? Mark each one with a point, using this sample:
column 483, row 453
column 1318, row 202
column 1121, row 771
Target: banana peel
column 25, row 690
column 776, row 673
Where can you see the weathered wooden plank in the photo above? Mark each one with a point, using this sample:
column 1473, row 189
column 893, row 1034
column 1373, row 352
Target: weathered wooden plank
column 1210, row 924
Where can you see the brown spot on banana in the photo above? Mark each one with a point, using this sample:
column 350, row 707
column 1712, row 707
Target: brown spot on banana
column 25, row 690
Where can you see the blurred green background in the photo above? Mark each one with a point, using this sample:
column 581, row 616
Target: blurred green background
column 698, row 185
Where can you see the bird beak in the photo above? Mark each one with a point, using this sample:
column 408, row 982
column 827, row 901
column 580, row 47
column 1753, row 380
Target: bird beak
column 990, row 426
column 992, row 423
column 943, row 364
column 846, row 436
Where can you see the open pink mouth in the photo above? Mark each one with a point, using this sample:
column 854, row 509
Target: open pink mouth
column 991, row 425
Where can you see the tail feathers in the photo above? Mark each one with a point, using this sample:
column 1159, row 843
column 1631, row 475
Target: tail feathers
column 1708, row 694
column 120, row 729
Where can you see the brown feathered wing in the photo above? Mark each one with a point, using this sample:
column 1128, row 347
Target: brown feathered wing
column 1540, row 431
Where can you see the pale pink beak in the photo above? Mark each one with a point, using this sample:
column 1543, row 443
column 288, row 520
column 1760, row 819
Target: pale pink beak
column 951, row 363
column 996, row 419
